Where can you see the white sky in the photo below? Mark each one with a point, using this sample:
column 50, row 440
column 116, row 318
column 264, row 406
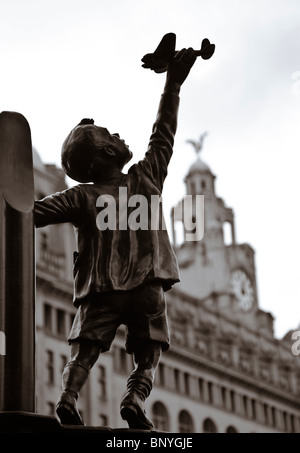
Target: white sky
column 63, row 60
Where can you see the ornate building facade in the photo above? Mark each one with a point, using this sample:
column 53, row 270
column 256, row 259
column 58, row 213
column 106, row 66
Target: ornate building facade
column 225, row 370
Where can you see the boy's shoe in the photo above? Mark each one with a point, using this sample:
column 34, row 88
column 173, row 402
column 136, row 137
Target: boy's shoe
column 132, row 410
column 66, row 410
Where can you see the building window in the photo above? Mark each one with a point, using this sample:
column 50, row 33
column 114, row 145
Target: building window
column 245, row 405
column 186, row 379
column 60, row 322
column 44, row 241
column 50, row 367
column 48, row 317
column 103, row 420
column 231, row 429
column 245, row 356
column 102, row 381
column 223, row 396
column 63, row 362
column 160, row 417
column 266, row 413
column 186, row 424
column 161, row 374
column 177, row 380
column 209, row 426
column 265, row 369
column 273, row 413
column 285, row 422
column 253, row 407
column 200, row 387
column 293, row 430
column 284, row 377
column 120, row 363
column 232, row 400
column 210, row 392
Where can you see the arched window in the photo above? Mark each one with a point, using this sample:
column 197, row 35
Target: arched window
column 231, row 429
column 185, row 421
column 209, row 426
column 160, row 417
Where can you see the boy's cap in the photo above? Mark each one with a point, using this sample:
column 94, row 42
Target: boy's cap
column 86, row 121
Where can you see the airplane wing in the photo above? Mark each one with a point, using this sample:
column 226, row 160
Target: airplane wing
column 166, row 46
column 159, row 59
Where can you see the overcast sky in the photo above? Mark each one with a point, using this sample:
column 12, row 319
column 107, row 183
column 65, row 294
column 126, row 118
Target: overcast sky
column 63, row 60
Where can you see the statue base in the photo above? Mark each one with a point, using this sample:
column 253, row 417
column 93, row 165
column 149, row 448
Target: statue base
column 29, row 422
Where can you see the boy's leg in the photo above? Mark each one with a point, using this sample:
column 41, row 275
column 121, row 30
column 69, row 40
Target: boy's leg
column 84, row 354
column 93, row 331
column 148, row 336
column 139, row 385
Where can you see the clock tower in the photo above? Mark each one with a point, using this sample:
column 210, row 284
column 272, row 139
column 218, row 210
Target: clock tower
column 210, row 267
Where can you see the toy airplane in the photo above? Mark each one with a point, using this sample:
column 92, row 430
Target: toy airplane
column 159, row 60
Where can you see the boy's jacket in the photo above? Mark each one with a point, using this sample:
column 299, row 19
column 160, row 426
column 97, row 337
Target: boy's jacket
column 120, row 259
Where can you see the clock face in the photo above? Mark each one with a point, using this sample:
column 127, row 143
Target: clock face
column 243, row 290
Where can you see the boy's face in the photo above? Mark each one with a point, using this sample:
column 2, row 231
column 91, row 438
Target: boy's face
column 90, row 151
column 100, row 135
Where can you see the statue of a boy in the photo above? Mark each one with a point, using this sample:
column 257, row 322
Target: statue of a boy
column 120, row 274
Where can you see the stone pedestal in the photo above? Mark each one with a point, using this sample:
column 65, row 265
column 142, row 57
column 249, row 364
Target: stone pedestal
column 29, row 422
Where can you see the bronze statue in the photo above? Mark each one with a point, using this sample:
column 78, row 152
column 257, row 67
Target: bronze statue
column 121, row 270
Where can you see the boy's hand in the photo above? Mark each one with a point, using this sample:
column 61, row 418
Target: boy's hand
column 180, row 67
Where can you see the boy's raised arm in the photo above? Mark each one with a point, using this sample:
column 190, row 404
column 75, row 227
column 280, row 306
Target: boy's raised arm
column 161, row 142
